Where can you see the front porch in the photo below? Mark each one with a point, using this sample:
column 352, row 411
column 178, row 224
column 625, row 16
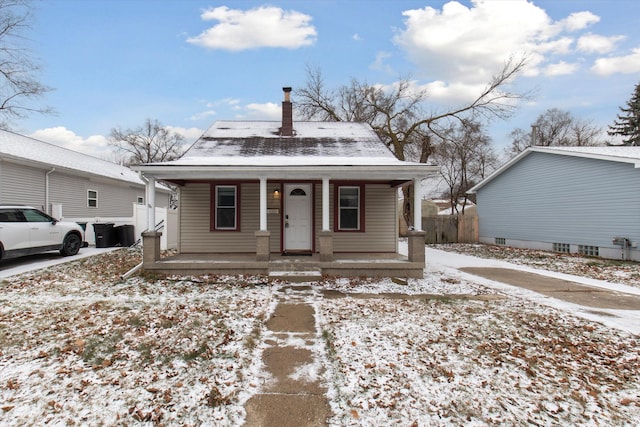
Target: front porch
column 275, row 265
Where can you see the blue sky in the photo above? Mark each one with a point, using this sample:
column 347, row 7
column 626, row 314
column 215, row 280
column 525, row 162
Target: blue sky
column 188, row 63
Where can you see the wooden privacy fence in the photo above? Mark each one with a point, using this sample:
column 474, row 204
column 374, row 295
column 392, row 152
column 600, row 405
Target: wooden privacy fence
column 450, row 228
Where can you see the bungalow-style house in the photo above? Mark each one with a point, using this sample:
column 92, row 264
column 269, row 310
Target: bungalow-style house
column 264, row 197
column 70, row 185
column 565, row 199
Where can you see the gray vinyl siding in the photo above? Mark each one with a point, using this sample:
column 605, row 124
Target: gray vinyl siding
column 22, row 185
column 562, row 199
column 195, row 217
column 114, row 200
column 25, row 185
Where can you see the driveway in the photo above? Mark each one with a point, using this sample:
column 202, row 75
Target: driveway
column 565, row 290
column 14, row 266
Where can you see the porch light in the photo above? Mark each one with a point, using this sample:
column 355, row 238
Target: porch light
column 276, row 195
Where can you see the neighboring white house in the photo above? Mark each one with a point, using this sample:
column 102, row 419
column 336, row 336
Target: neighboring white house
column 70, row 185
column 565, row 199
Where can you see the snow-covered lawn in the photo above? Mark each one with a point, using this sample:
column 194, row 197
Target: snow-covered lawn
column 79, row 346
column 464, row 362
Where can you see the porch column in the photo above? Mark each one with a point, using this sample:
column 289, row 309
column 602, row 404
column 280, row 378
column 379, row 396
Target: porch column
column 326, row 236
column 417, row 205
column 150, row 247
column 325, row 204
column 151, row 203
column 416, row 236
column 263, row 204
column 263, row 236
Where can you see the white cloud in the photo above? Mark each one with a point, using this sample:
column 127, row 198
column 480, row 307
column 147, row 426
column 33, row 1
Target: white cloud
column 356, row 37
column 471, row 44
column 579, row 20
column 264, row 26
column 189, row 134
column 95, row 145
column 593, row 43
column 618, row 64
column 266, row 111
column 560, row 68
column 380, row 62
column 462, row 46
column 203, row 115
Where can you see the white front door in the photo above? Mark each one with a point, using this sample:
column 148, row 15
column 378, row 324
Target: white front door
column 297, row 219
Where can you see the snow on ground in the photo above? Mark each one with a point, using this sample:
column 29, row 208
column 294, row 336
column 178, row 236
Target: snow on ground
column 79, row 346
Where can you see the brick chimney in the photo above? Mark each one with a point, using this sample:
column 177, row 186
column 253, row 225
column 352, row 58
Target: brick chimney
column 287, row 113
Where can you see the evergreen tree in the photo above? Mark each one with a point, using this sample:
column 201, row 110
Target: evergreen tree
column 628, row 124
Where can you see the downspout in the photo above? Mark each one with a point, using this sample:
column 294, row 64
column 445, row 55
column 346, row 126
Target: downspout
column 46, row 191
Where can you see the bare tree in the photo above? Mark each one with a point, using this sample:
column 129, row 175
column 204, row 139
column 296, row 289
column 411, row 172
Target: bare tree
column 465, row 156
column 398, row 115
column 149, row 143
column 557, row 128
column 18, row 86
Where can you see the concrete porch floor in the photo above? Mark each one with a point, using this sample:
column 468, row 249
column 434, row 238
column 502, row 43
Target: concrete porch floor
column 343, row 264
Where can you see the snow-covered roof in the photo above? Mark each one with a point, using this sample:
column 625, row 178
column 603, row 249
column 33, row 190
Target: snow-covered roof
column 314, row 143
column 255, row 149
column 623, row 154
column 616, row 153
column 29, row 150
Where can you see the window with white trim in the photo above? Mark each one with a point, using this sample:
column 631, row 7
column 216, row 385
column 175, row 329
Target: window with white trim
column 349, row 208
column 92, row 199
column 140, row 200
column 226, row 200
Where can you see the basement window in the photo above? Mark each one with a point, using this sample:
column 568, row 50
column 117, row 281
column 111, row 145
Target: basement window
column 589, row 250
column 501, row 241
column 562, row 247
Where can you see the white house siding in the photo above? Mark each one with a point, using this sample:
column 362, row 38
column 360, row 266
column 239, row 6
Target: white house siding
column 546, row 198
column 22, row 185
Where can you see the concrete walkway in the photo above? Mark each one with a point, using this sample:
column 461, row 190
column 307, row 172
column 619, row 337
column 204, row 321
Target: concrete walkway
column 295, row 396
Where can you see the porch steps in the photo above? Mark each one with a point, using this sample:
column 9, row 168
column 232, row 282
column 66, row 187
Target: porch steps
column 296, row 272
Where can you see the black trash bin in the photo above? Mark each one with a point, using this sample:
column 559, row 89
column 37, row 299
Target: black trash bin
column 125, row 235
column 105, row 234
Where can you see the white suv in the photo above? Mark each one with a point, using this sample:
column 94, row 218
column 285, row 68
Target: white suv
column 25, row 230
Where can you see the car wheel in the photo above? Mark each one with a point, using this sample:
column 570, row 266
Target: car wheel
column 71, row 245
